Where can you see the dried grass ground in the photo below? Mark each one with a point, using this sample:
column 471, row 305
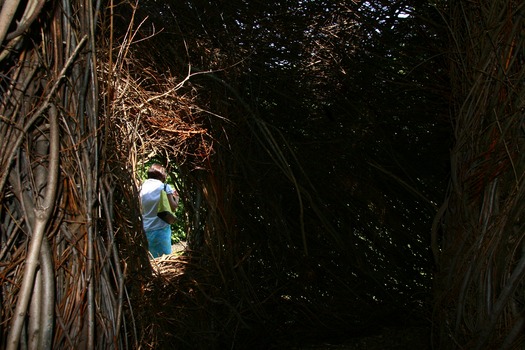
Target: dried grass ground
column 170, row 272
column 179, row 247
column 410, row 338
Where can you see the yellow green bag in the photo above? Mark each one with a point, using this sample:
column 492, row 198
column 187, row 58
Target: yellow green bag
column 164, row 210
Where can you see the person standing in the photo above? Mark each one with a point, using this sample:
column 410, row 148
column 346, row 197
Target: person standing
column 158, row 231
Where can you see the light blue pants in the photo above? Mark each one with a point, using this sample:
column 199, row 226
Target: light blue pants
column 159, row 241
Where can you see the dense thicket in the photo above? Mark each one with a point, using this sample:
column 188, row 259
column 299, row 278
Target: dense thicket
column 331, row 148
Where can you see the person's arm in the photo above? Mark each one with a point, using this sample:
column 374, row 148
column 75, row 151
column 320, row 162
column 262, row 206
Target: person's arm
column 173, row 198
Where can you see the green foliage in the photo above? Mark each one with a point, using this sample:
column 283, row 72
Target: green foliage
column 178, row 229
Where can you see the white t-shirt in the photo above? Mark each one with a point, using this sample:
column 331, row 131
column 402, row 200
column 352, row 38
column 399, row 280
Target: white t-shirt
column 149, row 197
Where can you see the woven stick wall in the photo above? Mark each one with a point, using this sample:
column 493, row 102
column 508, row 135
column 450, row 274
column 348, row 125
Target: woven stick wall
column 482, row 258
column 62, row 276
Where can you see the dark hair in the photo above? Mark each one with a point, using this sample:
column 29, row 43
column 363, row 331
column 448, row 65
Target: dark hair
column 157, row 171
